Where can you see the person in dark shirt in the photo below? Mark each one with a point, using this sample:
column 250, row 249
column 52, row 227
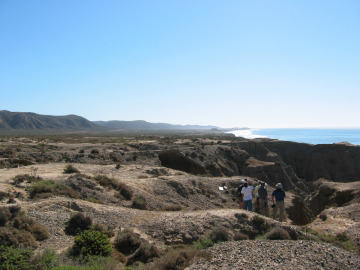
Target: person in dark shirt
column 278, row 197
column 262, row 194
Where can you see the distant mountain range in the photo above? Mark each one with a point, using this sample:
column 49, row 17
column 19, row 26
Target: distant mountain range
column 20, row 122
column 143, row 125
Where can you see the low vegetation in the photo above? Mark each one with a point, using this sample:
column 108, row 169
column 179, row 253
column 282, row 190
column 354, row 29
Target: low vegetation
column 47, row 188
column 341, row 240
column 139, row 203
column 78, row 223
column 70, row 169
column 20, row 230
column 91, row 243
column 278, row 234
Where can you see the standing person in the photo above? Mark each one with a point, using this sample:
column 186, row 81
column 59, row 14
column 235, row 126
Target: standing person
column 255, row 196
column 263, row 195
column 241, row 201
column 278, row 195
column 247, row 196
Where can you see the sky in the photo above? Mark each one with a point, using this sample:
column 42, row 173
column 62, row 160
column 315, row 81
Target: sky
column 229, row 63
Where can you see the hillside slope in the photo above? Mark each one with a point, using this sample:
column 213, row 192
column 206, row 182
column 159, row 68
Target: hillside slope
column 32, row 121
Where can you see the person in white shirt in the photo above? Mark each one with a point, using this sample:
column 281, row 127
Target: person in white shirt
column 247, row 196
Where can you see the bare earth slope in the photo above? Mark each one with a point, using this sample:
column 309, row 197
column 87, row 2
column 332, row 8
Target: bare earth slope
column 204, row 201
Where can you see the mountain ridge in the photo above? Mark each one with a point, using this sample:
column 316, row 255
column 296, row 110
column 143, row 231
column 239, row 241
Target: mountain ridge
column 33, row 122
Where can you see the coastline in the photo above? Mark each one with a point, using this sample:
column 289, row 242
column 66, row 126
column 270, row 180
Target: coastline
column 303, row 135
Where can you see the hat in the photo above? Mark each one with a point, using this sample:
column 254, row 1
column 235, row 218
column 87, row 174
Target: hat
column 243, row 181
column 279, row 185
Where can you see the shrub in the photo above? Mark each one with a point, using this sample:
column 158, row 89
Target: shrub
column 70, row 169
column 105, row 181
column 241, row 217
column 278, row 234
column 127, row 242
column 13, row 237
column 240, row 236
column 15, row 258
column 91, row 243
column 203, row 243
column 21, row 178
column 174, row 207
column 323, row 217
column 98, row 227
column 139, row 203
column 5, row 215
column 342, row 237
column 78, row 223
column 94, row 151
column 32, row 226
column 65, row 190
column 91, row 263
column 4, row 195
column 124, row 191
column 42, row 189
column 219, row 234
column 260, row 225
column 144, row 254
column 14, row 210
column 47, row 259
column 178, row 259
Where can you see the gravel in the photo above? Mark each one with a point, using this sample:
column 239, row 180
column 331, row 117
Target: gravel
column 278, row 254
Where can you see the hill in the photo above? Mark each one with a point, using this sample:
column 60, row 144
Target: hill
column 19, row 121
column 143, row 125
column 32, row 123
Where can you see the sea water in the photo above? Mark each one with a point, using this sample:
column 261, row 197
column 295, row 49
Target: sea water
column 312, row 136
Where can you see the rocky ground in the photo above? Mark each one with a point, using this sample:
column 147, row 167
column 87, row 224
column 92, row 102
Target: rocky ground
column 187, row 174
column 277, row 254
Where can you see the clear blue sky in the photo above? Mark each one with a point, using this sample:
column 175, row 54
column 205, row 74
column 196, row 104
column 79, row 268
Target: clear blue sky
column 230, row 63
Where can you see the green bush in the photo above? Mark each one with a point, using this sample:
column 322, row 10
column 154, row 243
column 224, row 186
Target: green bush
column 91, row 263
column 203, row 243
column 45, row 260
column 91, row 243
column 78, row 223
column 42, row 189
column 278, row 234
column 127, row 242
column 70, row 169
column 15, row 258
column 139, row 203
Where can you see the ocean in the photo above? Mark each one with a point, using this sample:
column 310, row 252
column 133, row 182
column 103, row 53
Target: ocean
column 312, row 136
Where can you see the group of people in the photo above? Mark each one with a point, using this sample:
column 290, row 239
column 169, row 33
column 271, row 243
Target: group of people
column 257, row 192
